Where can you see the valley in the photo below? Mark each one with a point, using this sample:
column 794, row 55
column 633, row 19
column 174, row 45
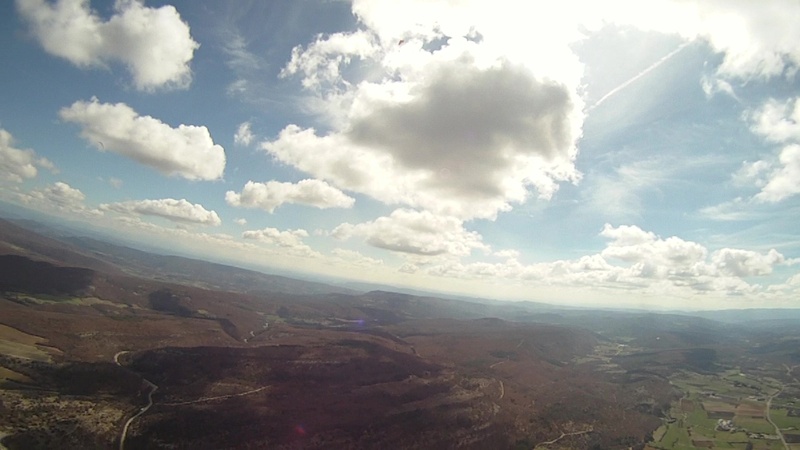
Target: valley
column 98, row 355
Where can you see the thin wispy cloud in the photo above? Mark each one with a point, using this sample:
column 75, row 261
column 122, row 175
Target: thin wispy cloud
column 638, row 76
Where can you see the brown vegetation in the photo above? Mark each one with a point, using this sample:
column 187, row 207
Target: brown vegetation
column 274, row 370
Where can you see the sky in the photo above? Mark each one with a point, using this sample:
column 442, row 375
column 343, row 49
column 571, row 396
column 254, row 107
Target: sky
column 617, row 154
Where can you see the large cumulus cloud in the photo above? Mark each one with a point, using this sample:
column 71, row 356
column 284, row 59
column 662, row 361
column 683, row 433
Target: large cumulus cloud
column 449, row 107
column 58, row 198
column 777, row 177
column 187, row 151
column 153, row 43
column 466, row 141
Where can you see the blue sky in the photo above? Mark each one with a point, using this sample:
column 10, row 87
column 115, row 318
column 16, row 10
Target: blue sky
column 639, row 154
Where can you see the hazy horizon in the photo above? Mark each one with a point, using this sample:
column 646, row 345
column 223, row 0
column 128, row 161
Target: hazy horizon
column 81, row 230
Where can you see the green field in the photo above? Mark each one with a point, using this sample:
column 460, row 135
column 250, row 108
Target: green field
column 755, row 425
column 783, row 421
column 724, row 392
column 675, row 437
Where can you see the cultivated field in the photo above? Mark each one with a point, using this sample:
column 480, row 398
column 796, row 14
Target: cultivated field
column 728, row 410
column 17, row 343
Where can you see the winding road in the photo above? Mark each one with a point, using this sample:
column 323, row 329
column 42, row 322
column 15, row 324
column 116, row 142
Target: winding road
column 769, row 419
column 789, row 371
column 219, row 397
column 153, row 389
column 563, row 435
column 117, row 355
column 497, row 364
column 144, row 409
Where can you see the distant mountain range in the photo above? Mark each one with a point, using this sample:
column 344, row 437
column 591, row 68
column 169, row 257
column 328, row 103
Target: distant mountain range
column 65, row 245
column 81, row 251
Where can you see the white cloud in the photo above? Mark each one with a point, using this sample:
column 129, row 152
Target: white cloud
column 272, row 194
column 756, row 173
column 181, row 211
column 459, row 119
column 116, row 183
column 18, row 164
column 468, row 116
column 268, row 249
column 241, row 221
column 187, row 151
column 355, row 258
column 320, row 62
column 416, row 233
column 507, row 254
column 627, row 235
column 713, row 86
column 633, row 245
column 467, row 141
column 633, row 259
column 778, row 121
column 408, row 268
column 784, row 181
column 289, row 240
column 238, row 87
column 62, row 194
column 778, row 179
column 755, row 39
column 61, row 198
column 244, row 136
column 240, row 58
column 153, row 43
column 745, row 263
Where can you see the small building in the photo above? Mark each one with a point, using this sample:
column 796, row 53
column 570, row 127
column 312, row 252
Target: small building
column 725, row 425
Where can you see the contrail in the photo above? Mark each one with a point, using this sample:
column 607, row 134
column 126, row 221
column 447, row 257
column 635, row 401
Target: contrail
column 652, row 67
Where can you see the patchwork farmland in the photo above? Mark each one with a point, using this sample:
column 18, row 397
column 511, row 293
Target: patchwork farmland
column 731, row 410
